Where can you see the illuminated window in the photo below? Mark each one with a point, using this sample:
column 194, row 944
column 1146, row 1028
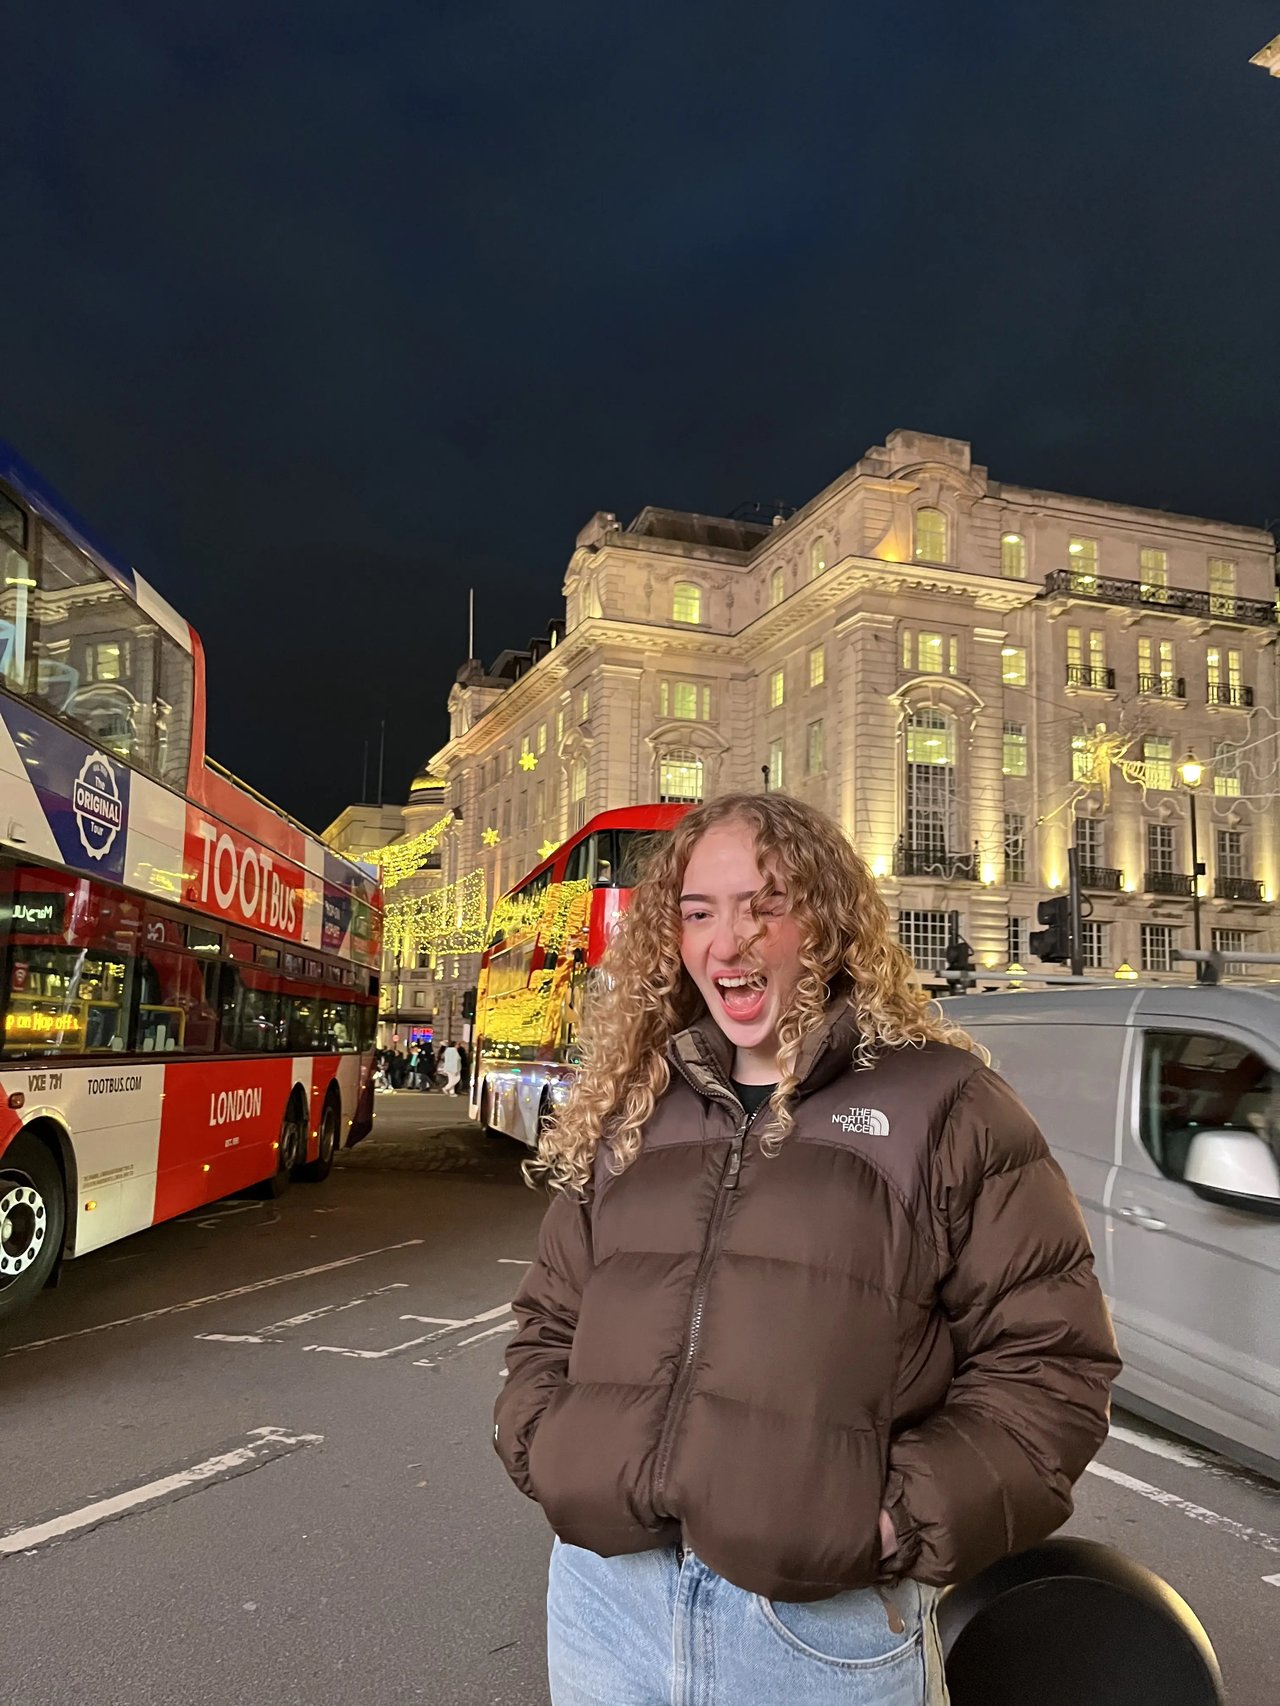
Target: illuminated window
column 817, row 666
column 1230, row 862
column 1014, row 758
column 1162, row 852
column 1222, row 587
column 686, row 602
column 931, row 737
column 775, row 766
column 1084, row 565
column 1015, row 852
column 584, row 706
column 679, row 699
column 817, row 557
column 931, row 536
column 929, row 654
column 559, row 727
column 1157, row 755
column 777, row 688
column 578, row 780
column 1013, row 557
column 680, row 778
column 1013, row 666
column 926, row 937
column 542, row 737
column 815, row 759
column 1155, row 666
column 1225, row 679
column 1157, row 947
column 777, row 588
column 1093, row 944
column 526, row 745
column 106, row 660
column 1086, row 657
column 1226, row 769
column 1153, row 568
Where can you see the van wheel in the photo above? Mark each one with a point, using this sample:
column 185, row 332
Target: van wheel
column 330, row 1124
column 33, row 1219
column 291, row 1146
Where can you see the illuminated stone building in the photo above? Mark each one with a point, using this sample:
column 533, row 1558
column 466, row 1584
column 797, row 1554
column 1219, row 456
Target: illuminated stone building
column 969, row 675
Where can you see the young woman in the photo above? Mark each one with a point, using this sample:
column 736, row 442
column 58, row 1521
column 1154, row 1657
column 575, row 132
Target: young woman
column 813, row 1328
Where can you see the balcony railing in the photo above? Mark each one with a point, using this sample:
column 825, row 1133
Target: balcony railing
column 1168, row 882
column 1230, row 693
column 1100, row 877
column 933, row 862
column 1238, row 888
column 1076, row 583
column 1081, row 675
column 1162, row 686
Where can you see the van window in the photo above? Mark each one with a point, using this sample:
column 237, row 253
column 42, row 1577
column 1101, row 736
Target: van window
column 1192, row 1082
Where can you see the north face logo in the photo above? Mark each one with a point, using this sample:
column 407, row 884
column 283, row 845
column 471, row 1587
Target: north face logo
column 869, row 1120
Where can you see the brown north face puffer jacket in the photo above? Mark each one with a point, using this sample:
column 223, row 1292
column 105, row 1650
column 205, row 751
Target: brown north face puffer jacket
column 754, row 1354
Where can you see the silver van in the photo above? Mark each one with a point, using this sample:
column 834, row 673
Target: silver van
column 1162, row 1105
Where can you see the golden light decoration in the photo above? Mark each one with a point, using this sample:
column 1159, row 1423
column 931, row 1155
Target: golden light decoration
column 490, row 837
column 547, row 849
column 449, row 920
column 528, row 761
column 401, row 859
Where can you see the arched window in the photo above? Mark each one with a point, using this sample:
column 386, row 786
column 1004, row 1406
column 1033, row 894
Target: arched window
column 931, row 536
column 817, row 557
column 1013, row 556
column 777, row 587
column 930, row 831
column 686, row 602
column 680, row 778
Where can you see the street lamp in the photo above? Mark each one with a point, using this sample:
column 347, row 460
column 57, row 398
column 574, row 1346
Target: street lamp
column 1191, row 774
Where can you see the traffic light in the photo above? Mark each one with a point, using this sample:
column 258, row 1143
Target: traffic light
column 469, row 1006
column 959, row 955
column 1053, row 943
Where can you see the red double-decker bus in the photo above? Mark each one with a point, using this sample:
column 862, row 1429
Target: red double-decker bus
column 188, row 991
column 545, row 939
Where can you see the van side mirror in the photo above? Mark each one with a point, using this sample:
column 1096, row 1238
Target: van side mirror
column 1236, row 1169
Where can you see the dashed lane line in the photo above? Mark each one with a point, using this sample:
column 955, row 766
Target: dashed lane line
column 409, row 1344
column 262, row 1446
column 1198, row 1513
column 213, row 1297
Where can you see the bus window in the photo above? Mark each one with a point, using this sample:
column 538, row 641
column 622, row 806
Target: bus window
column 252, row 1019
column 581, row 863
column 633, row 849
column 71, row 962
column 177, row 1002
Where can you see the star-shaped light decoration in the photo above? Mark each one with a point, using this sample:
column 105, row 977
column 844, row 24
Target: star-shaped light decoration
column 528, row 761
column 546, row 850
column 490, row 838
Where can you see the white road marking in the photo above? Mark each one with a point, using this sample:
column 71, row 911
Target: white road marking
column 502, row 1327
column 235, row 1338
column 409, row 1344
column 214, row 1297
column 434, row 1320
column 1187, row 1455
column 514, row 1261
column 264, row 1444
column 1198, row 1513
column 1272, row 1581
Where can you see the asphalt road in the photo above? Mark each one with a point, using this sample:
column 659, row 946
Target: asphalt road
column 246, row 1456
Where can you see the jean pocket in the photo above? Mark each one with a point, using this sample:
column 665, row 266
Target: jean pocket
column 867, row 1629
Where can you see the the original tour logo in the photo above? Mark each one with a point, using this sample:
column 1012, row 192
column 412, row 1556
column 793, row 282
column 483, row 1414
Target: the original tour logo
column 96, row 803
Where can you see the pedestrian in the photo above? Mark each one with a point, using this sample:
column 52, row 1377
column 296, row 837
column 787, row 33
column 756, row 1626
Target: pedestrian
column 835, row 1333
column 464, row 1063
column 427, row 1067
column 451, row 1066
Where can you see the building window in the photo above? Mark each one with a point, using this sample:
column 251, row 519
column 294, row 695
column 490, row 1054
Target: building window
column 1015, row 847
column 540, row 803
column 1016, row 944
column 925, row 936
column 931, row 783
column 682, row 700
column 526, row 745
column 815, row 760
column 1084, row 565
column 930, row 654
column 1013, row 666
column 1093, row 944
column 107, row 660
column 931, row 536
column 777, row 688
column 817, row 557
column 1222, row 587
column 1157, row 756
column 584, row 706
column 775, row 766
column 1161, row 851
column 1153, row 575
column 419, row 997
column 1081, row 759
column 1014, row 757
column 686, row 602
column 1225, row 676
column 1090, row 843
column 1013, row 557
column 1086, row 658
column 817, row 666
column 1226, row 769
column 1228, row 942
column 559, row 727
column 777, row 587
column 542, row 738
column 1230, row 854
column 680, row 779
column 1157, row 947
column 1155, row 666
column 578, row 780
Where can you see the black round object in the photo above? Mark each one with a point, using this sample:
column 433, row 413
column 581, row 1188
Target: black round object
column 1073, row 1623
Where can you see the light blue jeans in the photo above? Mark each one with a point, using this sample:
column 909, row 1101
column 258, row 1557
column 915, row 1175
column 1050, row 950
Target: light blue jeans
column 654, row 1630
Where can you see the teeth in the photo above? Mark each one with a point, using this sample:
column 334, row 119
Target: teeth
column 753, row 981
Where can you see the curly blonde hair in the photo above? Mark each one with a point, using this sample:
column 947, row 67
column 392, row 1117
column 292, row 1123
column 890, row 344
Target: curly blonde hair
column 644, row 995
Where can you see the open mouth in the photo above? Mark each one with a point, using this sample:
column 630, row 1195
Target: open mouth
column 742, row 994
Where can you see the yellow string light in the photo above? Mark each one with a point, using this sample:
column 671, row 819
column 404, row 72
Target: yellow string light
column 401, row 859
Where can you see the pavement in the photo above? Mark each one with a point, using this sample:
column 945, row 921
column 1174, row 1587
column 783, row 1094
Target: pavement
column 247, row 1455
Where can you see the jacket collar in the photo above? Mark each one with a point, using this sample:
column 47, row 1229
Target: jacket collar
column 705, row 1054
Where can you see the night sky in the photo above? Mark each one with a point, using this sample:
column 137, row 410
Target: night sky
column 322, row 313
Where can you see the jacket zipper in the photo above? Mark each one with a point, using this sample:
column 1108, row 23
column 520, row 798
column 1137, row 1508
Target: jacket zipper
column 680, row 1390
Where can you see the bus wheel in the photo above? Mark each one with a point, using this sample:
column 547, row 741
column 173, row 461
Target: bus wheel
column 33, row 1217
column 330, row 1122
column 290, row 1149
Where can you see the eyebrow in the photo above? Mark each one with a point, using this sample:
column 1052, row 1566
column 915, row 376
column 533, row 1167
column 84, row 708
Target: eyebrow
column 747, row 894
